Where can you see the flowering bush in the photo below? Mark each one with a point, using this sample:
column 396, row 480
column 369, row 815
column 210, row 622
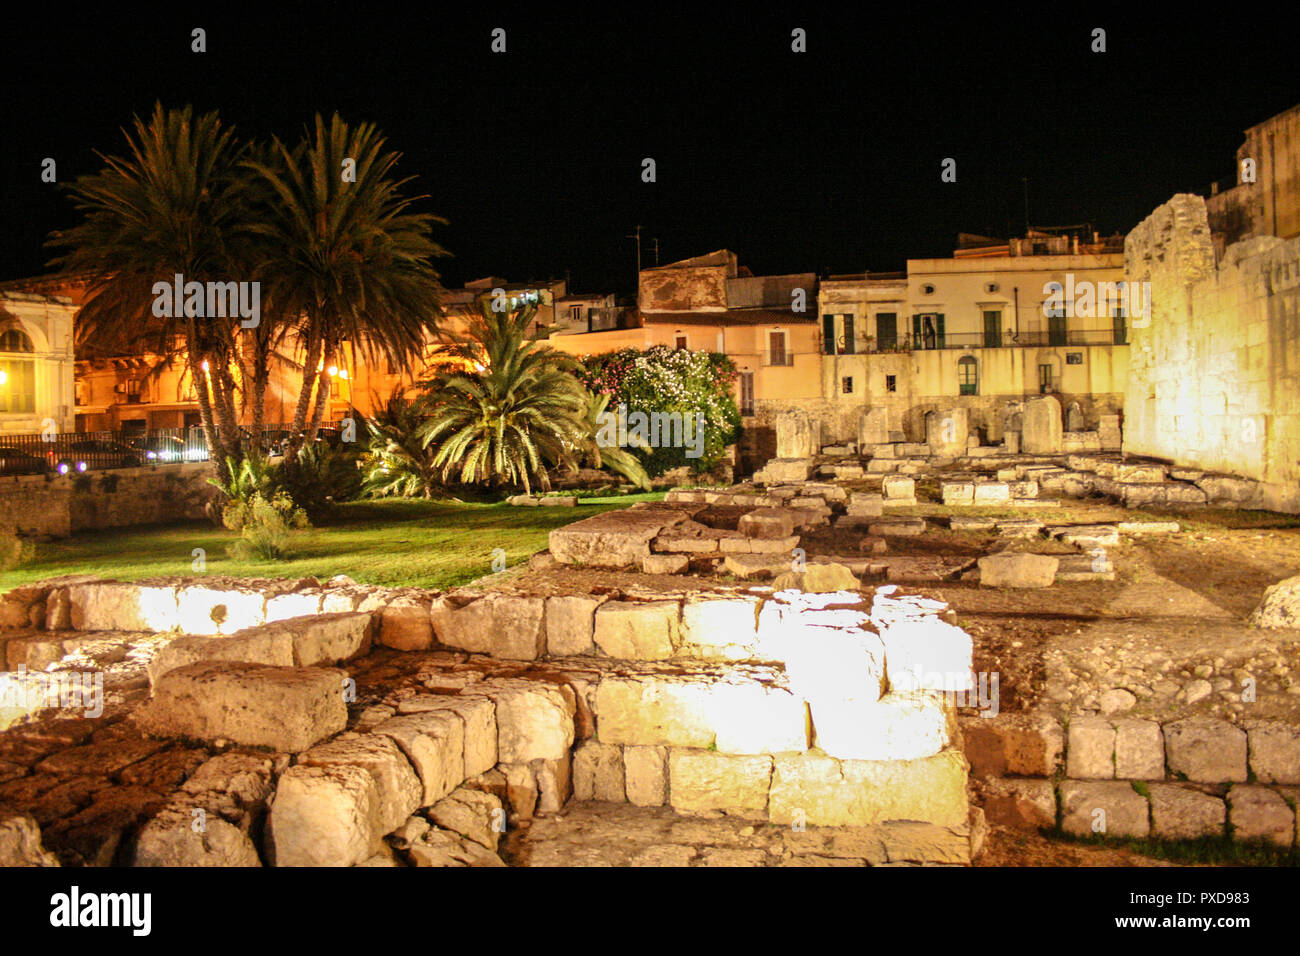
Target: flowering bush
column 663, row 379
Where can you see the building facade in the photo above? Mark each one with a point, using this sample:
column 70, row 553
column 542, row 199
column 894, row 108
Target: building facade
column 36, row 362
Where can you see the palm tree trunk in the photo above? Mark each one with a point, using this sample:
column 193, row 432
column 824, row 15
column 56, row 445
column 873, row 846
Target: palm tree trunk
column 310, row 377
column 323, row 383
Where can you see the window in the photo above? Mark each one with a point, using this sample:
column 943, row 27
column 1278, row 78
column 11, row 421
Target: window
column 967, row 376
column 133, row 391
column 838, row 335
column 992, row 329
column 777, row 352
column 887, row 330
column 927, row 331
column 1056, row 334
column 1045, row 379
column 18, row 389
column 891, row 383
column 1119, row 322
column 1074, row 358
column 15, row 340
column 680, row 341
column 846, row 385
column 927, row 289
column 746, row 393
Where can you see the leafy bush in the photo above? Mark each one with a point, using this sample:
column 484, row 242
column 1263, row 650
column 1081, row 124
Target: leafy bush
column 662, row 379
column 267, row 526
column 321, row 475
column 397, row 463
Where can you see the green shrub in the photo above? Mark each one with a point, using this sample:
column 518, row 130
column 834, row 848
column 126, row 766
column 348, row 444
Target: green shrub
column 321, row 476
column 267, row 527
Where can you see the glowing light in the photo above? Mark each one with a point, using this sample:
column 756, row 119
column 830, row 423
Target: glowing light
column 343, row 374
column 479, row 366
column 4, row 376
column 332, row 371
column 204, row 365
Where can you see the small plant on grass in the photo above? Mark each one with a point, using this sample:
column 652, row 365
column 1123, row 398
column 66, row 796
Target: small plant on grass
column 267, row 526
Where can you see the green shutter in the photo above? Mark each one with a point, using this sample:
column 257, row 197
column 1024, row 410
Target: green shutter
column 916, row 332
column 828, row 334
column 848, row 335
column 938, row 331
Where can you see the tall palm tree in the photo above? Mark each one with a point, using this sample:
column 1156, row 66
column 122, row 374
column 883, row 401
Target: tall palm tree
column 516, row 407
column 346, row 257
column 173, row 205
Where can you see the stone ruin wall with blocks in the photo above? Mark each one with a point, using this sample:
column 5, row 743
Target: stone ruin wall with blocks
column 831, row 710
column 1214, row 377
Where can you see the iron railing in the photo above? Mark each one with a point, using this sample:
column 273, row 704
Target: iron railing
column 64, row 453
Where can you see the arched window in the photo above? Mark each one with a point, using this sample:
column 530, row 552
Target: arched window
column 17, row 375
column 967, row 376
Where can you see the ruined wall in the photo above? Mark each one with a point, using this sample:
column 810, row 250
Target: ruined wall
column 118, row 498
column 1214, row 377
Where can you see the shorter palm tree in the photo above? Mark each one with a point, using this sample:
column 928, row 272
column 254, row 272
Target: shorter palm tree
column 514, row 410
column 619, row 460
column 398, row 463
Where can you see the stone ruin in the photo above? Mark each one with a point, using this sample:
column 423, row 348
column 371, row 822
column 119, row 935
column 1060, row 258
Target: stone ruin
column 331, row 724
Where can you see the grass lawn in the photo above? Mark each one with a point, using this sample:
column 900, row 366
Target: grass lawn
column 391, row 542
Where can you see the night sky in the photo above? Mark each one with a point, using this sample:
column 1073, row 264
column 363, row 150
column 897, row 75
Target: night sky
column 822, row 161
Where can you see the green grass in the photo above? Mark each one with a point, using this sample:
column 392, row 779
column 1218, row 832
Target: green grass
column 430, row 544
column 1214, row 851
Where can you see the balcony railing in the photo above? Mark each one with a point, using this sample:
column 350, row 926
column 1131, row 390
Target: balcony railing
column 1063, row 338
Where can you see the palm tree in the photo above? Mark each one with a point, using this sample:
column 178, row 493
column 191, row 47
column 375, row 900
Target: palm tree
column 616, row 459
column 173, row 205
column 398, row 462
column 516, row 408
column 346, row 259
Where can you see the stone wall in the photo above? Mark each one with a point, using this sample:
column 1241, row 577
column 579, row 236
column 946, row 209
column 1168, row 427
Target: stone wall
column 39, row 505
column 1214, row 375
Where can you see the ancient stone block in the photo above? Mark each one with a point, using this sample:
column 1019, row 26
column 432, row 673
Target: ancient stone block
column 725, row 628
column 664, row 564
column 1139, row 750
column 324, row 816
column 702, row 782
column 927, row 654
column 991, row 493
column 1274, row 751
column 534, row 720
column 404, row 624
column 598, row 772
column 766, row 523
column 1184, row 813
column 473, row 814
column 899, row 726
column 398, row 789
column 434, row 743
column 797, row 435
column 616, row 539
column 1280, row 606
column 1018, row 570
column 1030, row 745
column 1112, row 809
column 1257, row 813
column 646, row 775
column 822, row 791
column 1206, row 751
column 508, row 626
column 570, row 623
column 1020, row 803
column 654, row 710
column 1090, row 749
column 1042, row 432
column 287, row 709
column 637, row 630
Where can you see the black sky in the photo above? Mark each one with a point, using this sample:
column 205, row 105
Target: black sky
column 798, row 162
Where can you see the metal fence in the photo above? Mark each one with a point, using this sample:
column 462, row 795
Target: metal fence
column 1003, row 339
column 66, row 453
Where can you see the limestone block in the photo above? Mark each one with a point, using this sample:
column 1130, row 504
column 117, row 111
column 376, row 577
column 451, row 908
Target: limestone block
column 1090, row 749
column 475, row 815
column 1280, row 606
column 646, row 775
column 324, row 816
column 434, row 743
column 828, row 663
column 873, row 427
column 405, row 625
column 570, row 624
column 116, row 606
column 507, row 626
column 822, row 791
column 170, row 839
column 1206, row 751
column 477, row 715
column 1019, row 803
column 598, row 772
column 797, row 436
column 1042, row 433
column 766, row 523
column 1274, row 751
column 20, row 841
column 702, row 782
column 1112, row 809
column 927, row 654
column 725, row 628
column 1185, row 813
column 898, row 486
column 281, row 607
column 946, row 431
column 1257, row 813
column 287, row 709
column 534, row 720
column 615, row 539
column 1139, row 750
column 648, row 710
column 665, row 564
column 399, row 790
column 554, row 783
column 992, row 493
column 899, row 726
column 1018, row 570
column 754, row 718
column 638, row 630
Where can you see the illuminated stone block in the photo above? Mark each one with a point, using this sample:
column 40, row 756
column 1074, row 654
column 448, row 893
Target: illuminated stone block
column 896, row 727
column 702, row 782
column 325, row 816
column 637, row 630
column 396, row 784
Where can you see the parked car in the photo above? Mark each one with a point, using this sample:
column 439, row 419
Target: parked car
column 97, row 453
column 15, row 461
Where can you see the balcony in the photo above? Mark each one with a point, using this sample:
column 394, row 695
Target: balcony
column 1048, row 338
